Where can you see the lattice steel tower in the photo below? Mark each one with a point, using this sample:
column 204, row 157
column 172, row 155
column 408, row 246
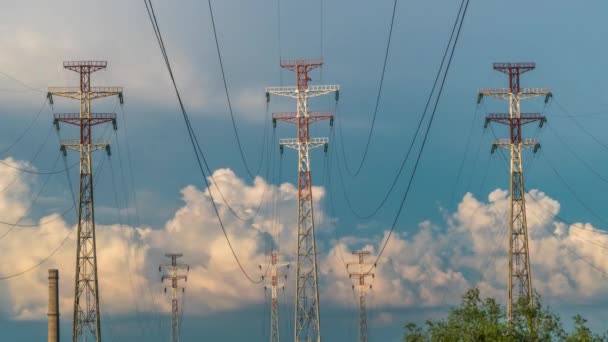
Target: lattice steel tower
column 173, row 273
column 275, row 274
column 520, row 277
column 307, row 320
column 86, row 295
column 362, row 272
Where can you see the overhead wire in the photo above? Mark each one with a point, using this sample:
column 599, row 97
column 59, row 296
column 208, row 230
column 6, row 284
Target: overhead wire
column 576, row 155
column 574, row 193
column 426, row 134
column 200, row 157
column 236, row 133
column 406, row 157
column 581, row 127
column 54, row 251
column 133, row 193
column 378, row 96
column 26, row 130
column 25, row 85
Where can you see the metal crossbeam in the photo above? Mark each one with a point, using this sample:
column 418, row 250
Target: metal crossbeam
column 311, row 91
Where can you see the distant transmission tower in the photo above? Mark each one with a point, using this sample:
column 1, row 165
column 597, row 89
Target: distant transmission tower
column 173, row 273
column 275, row 274
column 362, row 272
column 86, row 297
column 307, row 319
column 519, row 255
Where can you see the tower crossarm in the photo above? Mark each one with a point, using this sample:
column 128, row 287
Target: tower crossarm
column 307, row 64
column 176, row 266
column 506, row 144
column 76, row 145
column 310, row 91
column 312, row 142
column 76, row 93
column 506, row 119
column 78, row 120
column 521, row 67
column 176, row 277
column 90, row 66
column 505, row 93
column 292, row 117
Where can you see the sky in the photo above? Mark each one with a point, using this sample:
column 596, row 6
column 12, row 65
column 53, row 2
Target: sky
column 150, row 198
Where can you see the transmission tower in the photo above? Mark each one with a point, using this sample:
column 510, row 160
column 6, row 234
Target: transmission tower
column 173, row 273
column 307, row 319
column 520, row 277
column 275, row 274
column 86, row 295
column 362, row 272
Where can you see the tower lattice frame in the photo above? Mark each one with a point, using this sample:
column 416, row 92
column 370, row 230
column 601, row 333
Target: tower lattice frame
column 520, row 277
column 86, row 322
column 307, row 318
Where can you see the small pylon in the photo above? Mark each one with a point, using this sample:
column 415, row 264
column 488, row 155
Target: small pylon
column 362, row 272
column 276, row 274
column 173, row 274
column 519, row 255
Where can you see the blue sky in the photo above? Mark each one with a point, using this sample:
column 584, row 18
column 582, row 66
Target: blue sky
column 563, row 38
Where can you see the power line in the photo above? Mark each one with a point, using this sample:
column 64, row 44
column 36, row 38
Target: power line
column 45, row 259
column 236, row 133
column 581, row 160
column 371, row 130
column 26, row 130
column 422, row 118
column 426, row 134
column 572, row 118
column 573, row 193
column 200, row 157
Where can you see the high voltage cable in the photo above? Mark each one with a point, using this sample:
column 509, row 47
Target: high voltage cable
column 574, row 193
column 561, row 241
column 426, row 134
column 371, row 130
column 31, row 160
column 45, row 259
column 236, row 133
column 133, row 191
column 118, row 216
column 558, row 217
column 27, row 129
column 581, row 160
column 262, row 198
column 27, row 86
column 200, row 157
column 601, row 143
column 377, row 208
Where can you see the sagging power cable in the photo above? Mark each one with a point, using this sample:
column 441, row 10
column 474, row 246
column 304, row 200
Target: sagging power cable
column 198, row 152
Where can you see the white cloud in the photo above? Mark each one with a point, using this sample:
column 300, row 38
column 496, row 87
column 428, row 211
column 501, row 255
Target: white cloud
column 436, row 265
column 128, row 257
column 428, row 268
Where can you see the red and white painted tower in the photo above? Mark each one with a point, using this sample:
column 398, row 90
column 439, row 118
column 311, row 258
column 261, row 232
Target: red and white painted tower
column 86, row 325
column 519, row 256
column 307, row 319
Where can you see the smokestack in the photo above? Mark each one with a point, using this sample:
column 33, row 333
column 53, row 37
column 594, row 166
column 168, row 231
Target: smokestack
column 53, row 330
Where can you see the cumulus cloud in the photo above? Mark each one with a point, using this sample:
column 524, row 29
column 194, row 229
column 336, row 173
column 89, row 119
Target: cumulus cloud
column 438, row 263
column 128, row 257
column 428, row 267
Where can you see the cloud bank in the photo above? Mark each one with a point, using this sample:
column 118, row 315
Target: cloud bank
column 430, row 266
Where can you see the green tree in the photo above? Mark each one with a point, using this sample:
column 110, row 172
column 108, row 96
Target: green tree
column 479, row 320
